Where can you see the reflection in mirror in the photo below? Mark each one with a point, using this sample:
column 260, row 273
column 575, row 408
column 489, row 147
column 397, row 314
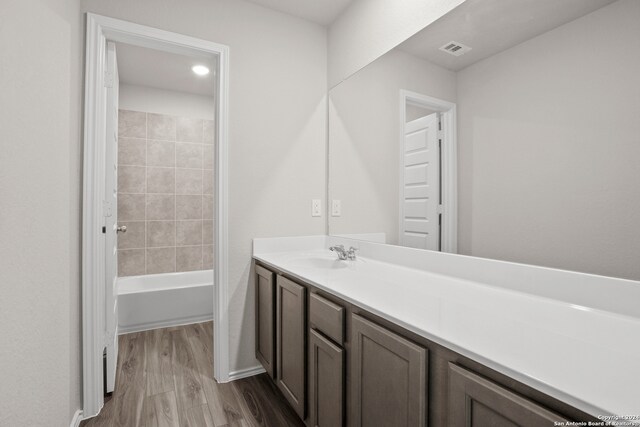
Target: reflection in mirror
column 523, row 148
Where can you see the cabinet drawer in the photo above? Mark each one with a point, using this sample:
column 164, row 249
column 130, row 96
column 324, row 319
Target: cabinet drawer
column 326, row 317
column 476, row 401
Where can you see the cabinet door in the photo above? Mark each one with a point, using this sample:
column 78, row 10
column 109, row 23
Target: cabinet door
column 388, row 378
column 290, row 336
column 476, row 401
column 326, row 382
column 266, row 319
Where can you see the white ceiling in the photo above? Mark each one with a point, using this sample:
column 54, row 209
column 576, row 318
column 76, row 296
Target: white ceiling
column 491, row 26
column 163, row 70
column 322, row 12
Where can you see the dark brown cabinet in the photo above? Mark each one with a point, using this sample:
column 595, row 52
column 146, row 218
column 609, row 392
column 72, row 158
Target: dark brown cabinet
column 326, row 317
column 360, row 373
column 326, row 382
column 388, row 378
column 265, row 319
column 475, row 401
column 291, row 343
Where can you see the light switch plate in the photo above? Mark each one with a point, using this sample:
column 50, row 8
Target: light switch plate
column 336, row 208
column 316, row 207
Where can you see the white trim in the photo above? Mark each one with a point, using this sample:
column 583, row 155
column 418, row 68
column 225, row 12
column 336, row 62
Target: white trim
column 92, row 237
column 221, row 226
column 450, row 182
column 99, row 29
column 139, row 327
column 77, row 419
column 449, row 241
column 246, row 372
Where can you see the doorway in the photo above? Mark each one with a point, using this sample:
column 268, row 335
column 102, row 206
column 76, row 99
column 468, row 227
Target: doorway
column 100, row 223
column 427, row 195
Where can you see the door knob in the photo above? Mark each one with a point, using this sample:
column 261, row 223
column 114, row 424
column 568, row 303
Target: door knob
column 121, row 229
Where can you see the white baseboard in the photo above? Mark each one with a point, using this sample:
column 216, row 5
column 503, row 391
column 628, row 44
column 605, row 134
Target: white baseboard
column 127, row 329
column 77, row 417
column 247, row 372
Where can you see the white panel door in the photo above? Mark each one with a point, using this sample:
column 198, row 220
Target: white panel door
column 111, row 217
column 420, row 178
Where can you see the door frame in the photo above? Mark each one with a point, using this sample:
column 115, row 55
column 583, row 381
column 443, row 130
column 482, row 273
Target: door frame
column 111, row 220
column 98, row 30
column 448, row 170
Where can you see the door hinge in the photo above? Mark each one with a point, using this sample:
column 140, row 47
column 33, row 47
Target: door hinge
column 106, row 209
column 104, row 229
column 108, row 339
column 440, row 209
column 108, row 79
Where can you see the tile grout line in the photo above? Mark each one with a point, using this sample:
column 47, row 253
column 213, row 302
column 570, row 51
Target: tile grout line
column 146, row 161
column 162, row 194
column 175, row 199
column 160, row 247
column 201, row 211
column 167, row 167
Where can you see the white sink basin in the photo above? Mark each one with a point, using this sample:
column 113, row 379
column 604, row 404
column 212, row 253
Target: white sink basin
column 319, row 262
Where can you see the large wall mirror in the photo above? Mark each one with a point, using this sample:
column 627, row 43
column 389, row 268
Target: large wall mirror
column 508, row 129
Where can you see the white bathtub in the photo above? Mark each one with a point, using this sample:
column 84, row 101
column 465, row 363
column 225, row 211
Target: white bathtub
column 162, row 300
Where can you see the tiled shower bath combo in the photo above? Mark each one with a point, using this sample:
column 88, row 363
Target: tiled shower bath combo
column 165, row 193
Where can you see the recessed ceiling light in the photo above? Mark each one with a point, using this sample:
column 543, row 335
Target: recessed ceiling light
column 200, row 70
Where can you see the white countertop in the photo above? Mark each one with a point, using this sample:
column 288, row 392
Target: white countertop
column 587, row 357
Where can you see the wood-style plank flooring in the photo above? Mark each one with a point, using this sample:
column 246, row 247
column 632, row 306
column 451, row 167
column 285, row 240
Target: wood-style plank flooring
column 165, row 378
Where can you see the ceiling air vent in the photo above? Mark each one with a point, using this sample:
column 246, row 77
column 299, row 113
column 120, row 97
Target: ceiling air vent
column 455, row 48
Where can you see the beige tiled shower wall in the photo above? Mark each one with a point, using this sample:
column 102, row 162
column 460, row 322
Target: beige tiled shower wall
column 165, row 193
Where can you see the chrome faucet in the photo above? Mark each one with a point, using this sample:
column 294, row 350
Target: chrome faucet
column 339, row 249
column 344, row 254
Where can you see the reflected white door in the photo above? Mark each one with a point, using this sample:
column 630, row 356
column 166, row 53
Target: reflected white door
column 111, row 217
column 420, row 177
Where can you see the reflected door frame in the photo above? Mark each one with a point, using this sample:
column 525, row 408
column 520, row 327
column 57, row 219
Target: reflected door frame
column 448, row 171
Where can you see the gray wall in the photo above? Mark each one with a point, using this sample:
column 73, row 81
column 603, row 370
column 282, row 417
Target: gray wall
column 40, row 82
column 549, row 144
column 161, row 101
column 278, row 86
column 363, row 113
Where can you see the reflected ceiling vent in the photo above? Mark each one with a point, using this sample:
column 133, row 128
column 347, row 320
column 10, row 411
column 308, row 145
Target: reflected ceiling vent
column 455, row 48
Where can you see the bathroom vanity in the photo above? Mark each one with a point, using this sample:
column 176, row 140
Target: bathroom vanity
column 397, row 337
